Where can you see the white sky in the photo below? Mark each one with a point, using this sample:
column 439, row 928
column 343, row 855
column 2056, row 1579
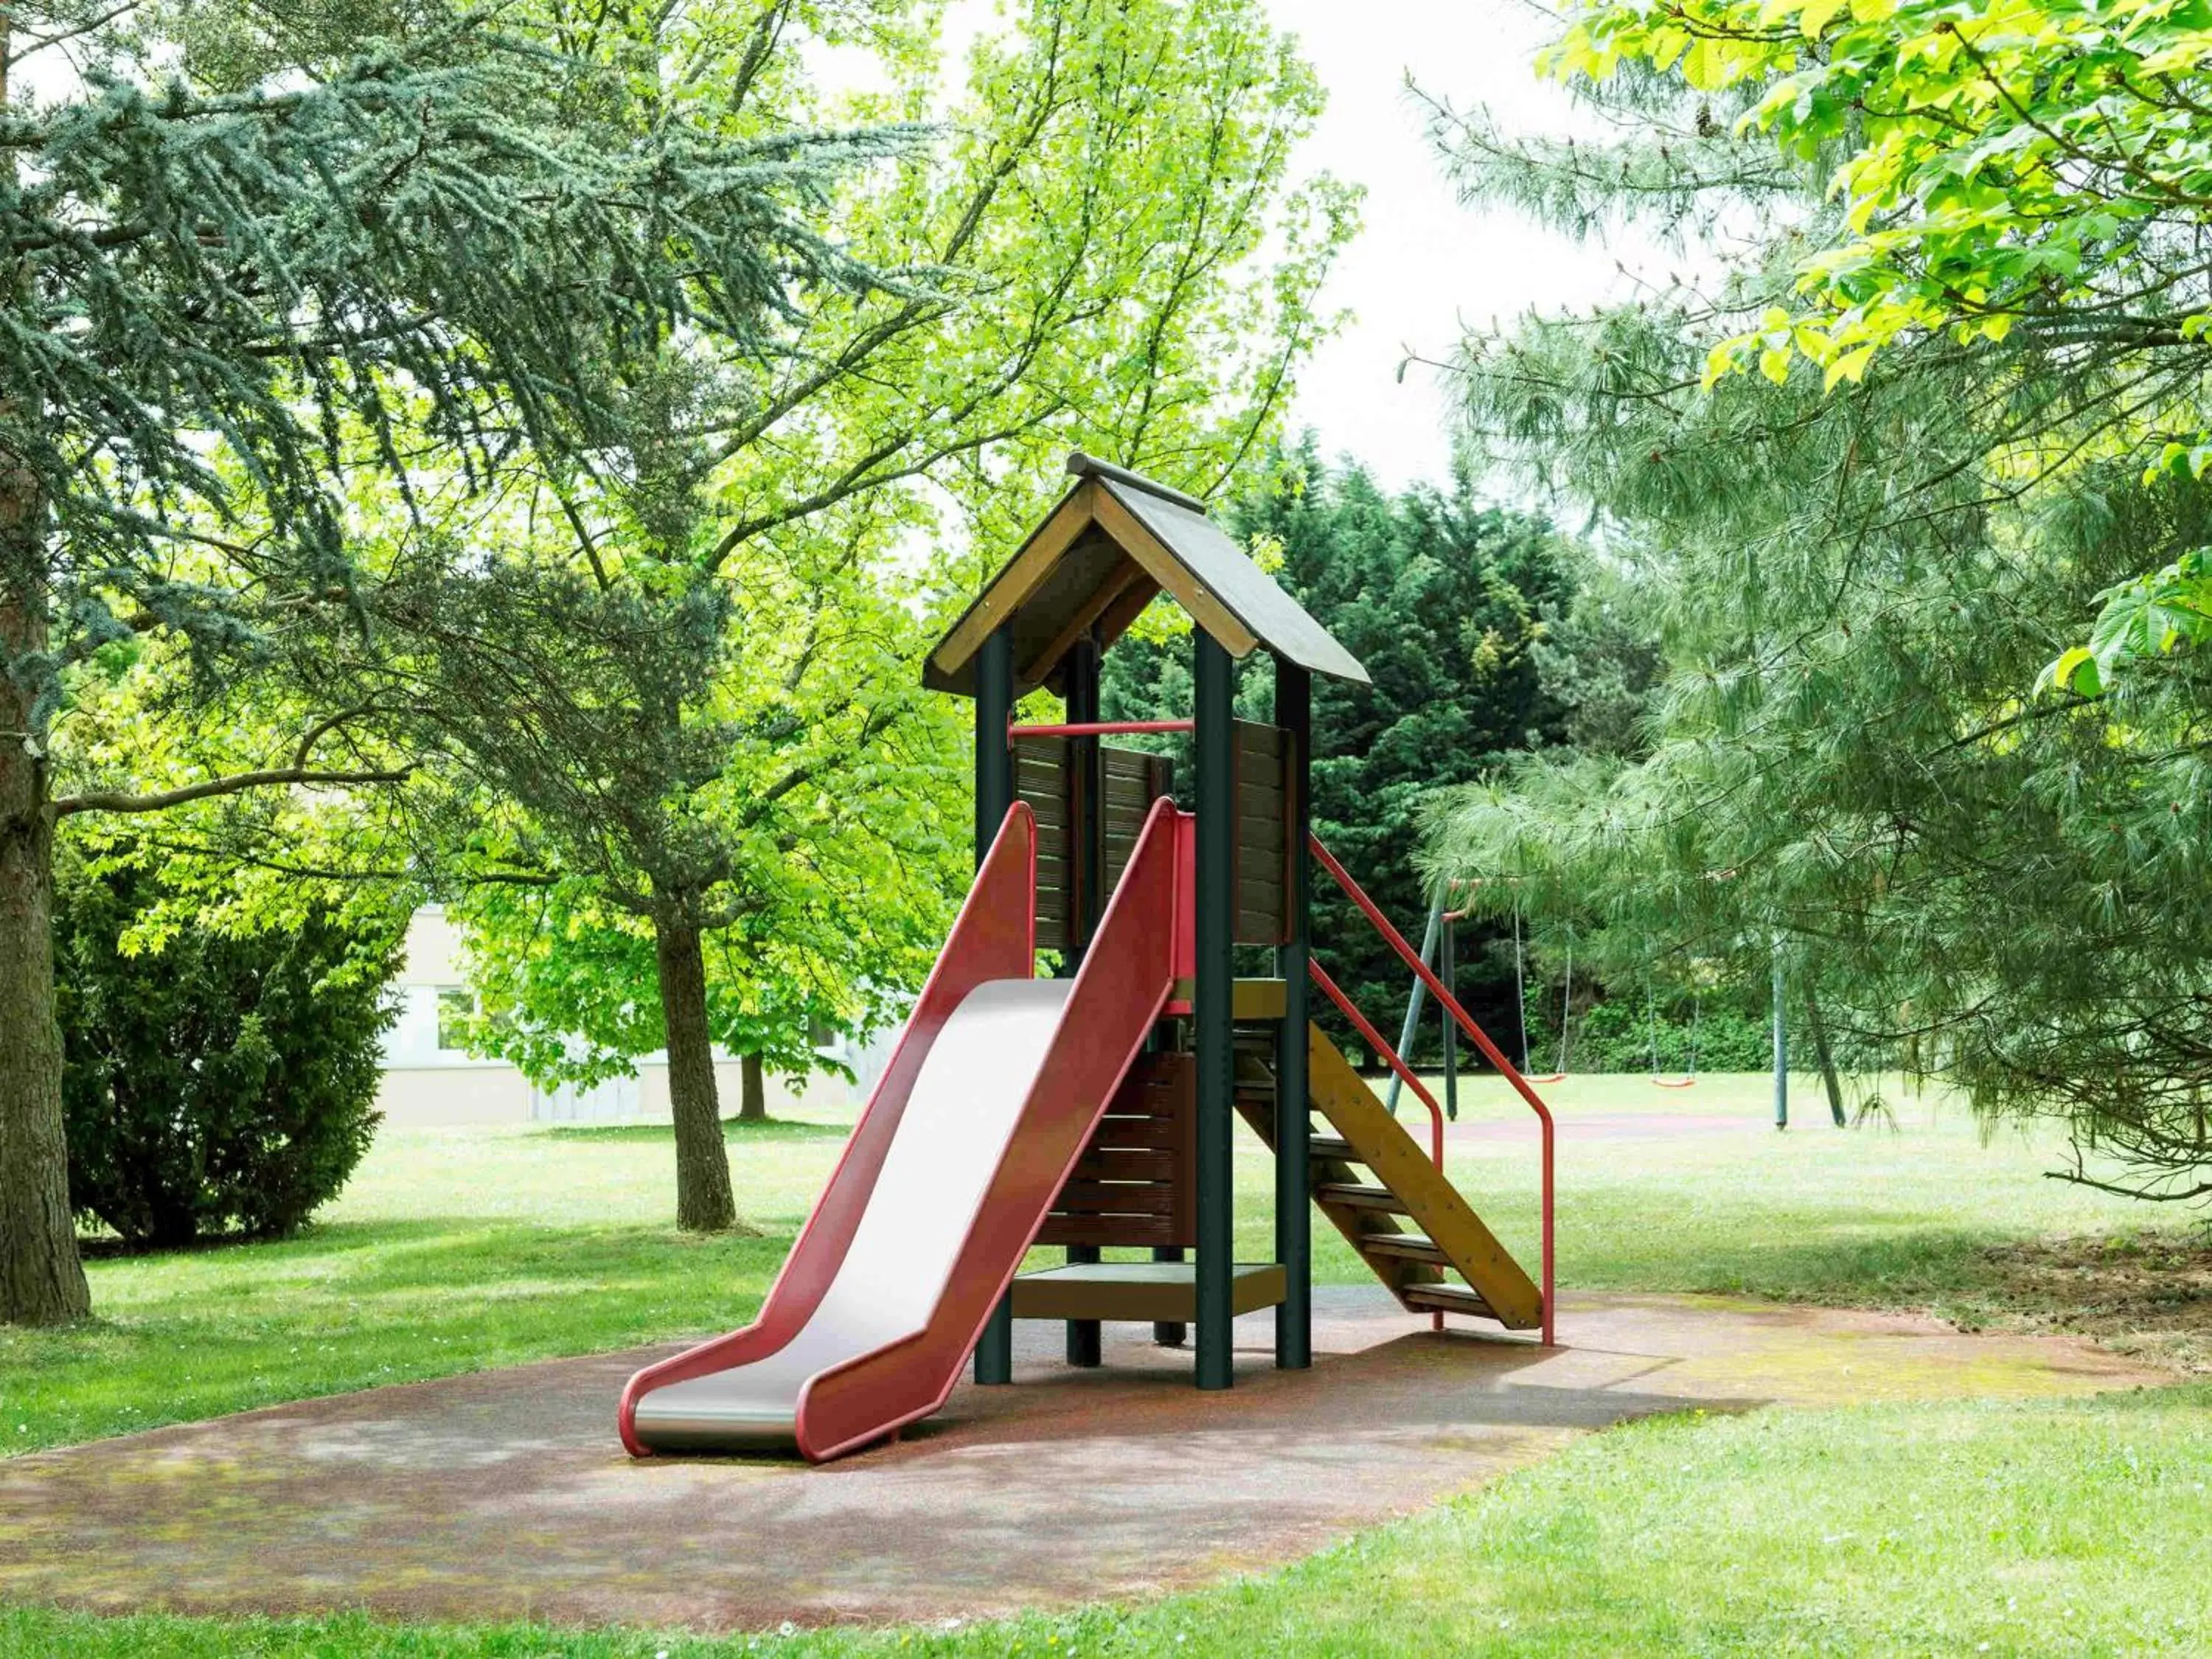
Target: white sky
column 1423, row 265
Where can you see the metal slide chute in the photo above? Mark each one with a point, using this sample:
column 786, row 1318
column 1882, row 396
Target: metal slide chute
column 991, row 1094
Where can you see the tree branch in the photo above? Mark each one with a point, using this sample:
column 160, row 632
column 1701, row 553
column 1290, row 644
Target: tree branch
column 236, row 783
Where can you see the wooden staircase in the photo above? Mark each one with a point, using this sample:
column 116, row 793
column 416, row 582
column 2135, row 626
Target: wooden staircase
column 1391, row 1203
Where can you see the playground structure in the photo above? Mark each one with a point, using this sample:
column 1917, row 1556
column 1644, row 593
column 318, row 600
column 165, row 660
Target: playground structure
column 1093, row 1111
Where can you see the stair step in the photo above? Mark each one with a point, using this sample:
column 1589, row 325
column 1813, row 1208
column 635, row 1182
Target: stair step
column 1332, row 1146
column 1404, row 1247
column 1447, row 1298
column 1353, row 1195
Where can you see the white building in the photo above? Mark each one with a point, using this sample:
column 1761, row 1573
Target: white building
column 429, row 1079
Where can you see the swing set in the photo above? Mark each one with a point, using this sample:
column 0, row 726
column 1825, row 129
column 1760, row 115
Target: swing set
column 1439, row 952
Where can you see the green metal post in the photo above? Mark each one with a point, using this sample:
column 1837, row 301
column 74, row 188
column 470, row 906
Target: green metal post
column 1293, row 1110
column 1411, row 1028
column 994, row 797
column 1087, row 779
column 1212, row 1006
column 1781, row 1047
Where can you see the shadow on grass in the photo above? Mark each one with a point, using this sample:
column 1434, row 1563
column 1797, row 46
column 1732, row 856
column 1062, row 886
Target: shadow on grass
column 734, row 1131
column 372, row 1257
column 467, row 1255
column 1970, row 1276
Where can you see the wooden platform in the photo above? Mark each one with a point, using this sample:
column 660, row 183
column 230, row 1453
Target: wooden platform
column 1163, row 1292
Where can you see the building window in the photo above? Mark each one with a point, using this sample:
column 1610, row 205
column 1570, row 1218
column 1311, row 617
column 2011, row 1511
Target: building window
column 457, row 1007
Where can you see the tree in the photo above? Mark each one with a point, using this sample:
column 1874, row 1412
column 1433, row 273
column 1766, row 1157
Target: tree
column 691, row 660
column 207, row 287
column 224, row 1084
column 1442, row 599
column 2036, row 172
column 1855, row 586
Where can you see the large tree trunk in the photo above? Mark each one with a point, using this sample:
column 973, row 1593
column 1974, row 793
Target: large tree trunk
column 41, row 1280
column 704, row 1202
column 752, row 1102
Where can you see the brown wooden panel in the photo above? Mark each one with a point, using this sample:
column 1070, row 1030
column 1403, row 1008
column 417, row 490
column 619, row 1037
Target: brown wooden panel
column 1051, row 910
column 1116, row 1198
column 1258, row 797
column 1141, row 1137
column 1112, row 1231
column 1150, row 1130
column 1127, row 810
column 1131, row 1125
column 1256, row 737
column 1125, row 807
column 1131, row 765
column 1264, row 815
column 1039, row 760
column 1257, row 896
column 1119, row 1163
column 1258, row 838
column 1134, row 780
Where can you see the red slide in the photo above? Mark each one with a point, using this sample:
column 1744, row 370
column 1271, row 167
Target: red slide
column 994, row 1088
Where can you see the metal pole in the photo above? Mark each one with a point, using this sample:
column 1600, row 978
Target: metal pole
column 1411, row 1028
column 1085, row 780
column 1293, row 1113
column 994, row 797
column 1781, row 1047
column 1447, row 970
column 1213, row 1038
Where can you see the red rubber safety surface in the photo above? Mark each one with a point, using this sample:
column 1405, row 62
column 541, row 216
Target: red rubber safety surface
column 503, row 1496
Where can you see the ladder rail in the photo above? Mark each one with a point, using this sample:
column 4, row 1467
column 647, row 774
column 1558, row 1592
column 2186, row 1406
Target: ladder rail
column 1476, row 1035
column 1400, row 1070
column 1373, row 1039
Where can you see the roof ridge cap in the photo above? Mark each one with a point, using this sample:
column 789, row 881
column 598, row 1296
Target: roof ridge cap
column 1084, row 466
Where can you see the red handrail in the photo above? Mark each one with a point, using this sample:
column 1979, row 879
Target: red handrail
column 1097, row 728
column 1489, row 1051
column 1373, row 1039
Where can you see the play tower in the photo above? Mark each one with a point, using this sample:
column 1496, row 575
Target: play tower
column 1094, row 1110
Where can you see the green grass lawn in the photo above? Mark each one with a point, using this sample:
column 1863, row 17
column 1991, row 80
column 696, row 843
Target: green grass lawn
column 2037, row 1527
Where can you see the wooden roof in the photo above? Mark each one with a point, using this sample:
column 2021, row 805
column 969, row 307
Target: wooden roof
column 1115, row 540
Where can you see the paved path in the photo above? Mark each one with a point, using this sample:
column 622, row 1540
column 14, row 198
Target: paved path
column 504, row 1495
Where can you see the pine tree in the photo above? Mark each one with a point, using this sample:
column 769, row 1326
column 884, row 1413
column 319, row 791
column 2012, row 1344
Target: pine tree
column 1858, row 584
column 214, row 287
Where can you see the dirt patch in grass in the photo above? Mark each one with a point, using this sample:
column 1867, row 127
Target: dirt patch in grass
column 2145, row 1295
